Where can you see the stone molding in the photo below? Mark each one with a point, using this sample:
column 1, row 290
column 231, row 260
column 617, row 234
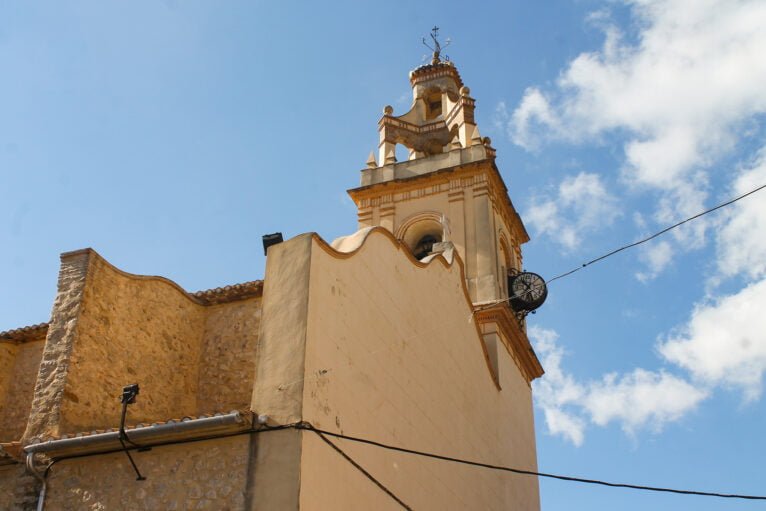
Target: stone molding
column 482, row 173
column 514, row 338
column 431, row 71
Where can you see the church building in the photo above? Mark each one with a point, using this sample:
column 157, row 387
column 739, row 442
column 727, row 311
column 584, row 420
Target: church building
column 139, row 395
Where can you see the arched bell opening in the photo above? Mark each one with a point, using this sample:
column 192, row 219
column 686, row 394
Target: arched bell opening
column 421, row 236
column 433, row 103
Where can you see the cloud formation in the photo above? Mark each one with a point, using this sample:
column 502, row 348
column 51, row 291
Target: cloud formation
column 680, row 92
column 581, row 204
column 694, row 75
column 724, row 343
column 637, row 400
column 741, row 242
column 721, row 345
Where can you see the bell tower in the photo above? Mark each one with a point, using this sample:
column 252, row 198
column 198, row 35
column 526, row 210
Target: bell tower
column 449, row 192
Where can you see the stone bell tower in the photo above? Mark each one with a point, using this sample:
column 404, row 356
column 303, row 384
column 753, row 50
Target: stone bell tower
column 449, row 191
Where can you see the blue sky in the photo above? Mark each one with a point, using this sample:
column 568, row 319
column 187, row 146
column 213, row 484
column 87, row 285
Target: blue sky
column 170, row 136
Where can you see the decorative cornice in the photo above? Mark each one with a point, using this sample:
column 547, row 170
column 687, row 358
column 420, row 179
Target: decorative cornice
column 514, row 338
column 431, row 71
column 433, row 182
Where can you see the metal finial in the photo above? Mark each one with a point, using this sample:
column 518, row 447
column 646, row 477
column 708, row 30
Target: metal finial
column 437, row 48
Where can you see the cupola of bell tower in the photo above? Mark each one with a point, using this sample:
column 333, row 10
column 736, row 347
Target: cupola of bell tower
column 449, row 192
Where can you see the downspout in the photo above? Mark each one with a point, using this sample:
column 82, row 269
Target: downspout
column 30, row 463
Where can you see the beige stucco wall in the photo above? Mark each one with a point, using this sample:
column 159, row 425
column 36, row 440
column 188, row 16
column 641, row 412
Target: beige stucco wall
column 392, row 354
column 19, row 374
column 227, row 364
column 207, row 475
column 382, row 347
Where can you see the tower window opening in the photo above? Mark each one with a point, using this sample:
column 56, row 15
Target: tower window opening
column 425, row 245
column 433, row 106
column 402, row 152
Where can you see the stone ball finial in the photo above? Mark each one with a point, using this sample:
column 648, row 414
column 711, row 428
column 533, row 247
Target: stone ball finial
column 465, row 91
column 388, row 110
column 487, row 141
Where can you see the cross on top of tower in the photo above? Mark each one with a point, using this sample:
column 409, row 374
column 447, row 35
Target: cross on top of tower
column 437, row 47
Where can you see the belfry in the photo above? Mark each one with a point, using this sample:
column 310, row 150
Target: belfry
column 449, row 191
column 449, row 195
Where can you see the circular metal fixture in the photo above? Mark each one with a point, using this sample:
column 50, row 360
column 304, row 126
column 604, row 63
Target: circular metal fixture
column 527, row 291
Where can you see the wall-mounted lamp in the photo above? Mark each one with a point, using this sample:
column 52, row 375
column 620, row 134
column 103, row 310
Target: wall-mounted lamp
column 271, row 239
column 129, row 394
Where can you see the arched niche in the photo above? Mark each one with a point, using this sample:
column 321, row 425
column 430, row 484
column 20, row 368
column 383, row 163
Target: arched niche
column 419, row 232
column 504, row 261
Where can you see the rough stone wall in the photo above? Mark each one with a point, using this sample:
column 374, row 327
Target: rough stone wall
column 392, row 354
column 227, row 364
column 18, row 489
column 131, row 329
column 14, row 410
column 45, row 416
column 7, row 361
column 208, row 475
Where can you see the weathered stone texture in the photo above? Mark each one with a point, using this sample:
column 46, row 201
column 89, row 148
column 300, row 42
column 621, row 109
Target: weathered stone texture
column 190, row 355
column 16, row 402
column 227, row 365
column 7, row 361
column 206, row 475
column 132, row 330
column 18, row 489
column 44, row 416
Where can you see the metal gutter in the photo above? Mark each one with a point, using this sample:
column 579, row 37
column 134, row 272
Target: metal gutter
column 146, row 435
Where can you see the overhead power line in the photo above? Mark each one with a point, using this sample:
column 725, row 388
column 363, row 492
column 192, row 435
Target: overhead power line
column 488, row 305
column 658, row 233
column 358, row 466
column 308, row 426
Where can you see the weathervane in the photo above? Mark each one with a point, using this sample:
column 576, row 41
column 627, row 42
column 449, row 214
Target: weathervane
column 437, row 48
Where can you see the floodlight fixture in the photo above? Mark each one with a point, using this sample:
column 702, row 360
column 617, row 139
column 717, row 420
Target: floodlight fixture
column 271, row 239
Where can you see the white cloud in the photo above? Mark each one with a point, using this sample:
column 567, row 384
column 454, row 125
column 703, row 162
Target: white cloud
column 680, row 93
column 580, row 205
column 742, row 240
column 639, row 399
column 656, row 256
column 556, row 389
column 724, row 343
column 533, row 115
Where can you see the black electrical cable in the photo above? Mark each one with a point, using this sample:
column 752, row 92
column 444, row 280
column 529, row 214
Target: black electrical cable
column 308, row 426
column 659, row 233
column 357, row 466
column 629, row 245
